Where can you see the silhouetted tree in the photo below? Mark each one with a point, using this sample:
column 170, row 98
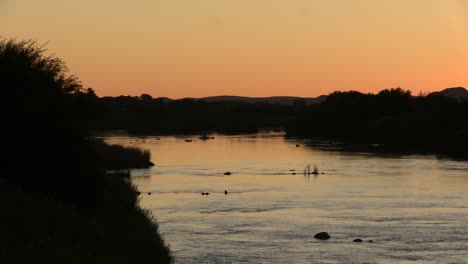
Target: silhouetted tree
column 146, row 97
column 393, row 117
column 45, row 151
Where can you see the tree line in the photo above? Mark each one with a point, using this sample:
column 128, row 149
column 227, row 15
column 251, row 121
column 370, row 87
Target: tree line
column 394, row 118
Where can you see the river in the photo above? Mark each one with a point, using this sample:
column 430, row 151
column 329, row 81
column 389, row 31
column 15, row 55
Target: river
column 414, row 208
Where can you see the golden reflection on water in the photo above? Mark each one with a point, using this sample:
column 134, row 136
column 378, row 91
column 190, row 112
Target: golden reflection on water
column 413, row 207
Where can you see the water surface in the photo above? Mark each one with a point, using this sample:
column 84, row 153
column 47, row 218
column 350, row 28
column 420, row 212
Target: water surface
column 414, row 208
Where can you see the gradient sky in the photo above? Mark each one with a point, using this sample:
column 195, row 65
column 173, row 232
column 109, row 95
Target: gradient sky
column 194, row 48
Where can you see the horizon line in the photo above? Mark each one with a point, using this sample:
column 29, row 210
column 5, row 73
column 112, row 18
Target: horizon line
column 273, row 96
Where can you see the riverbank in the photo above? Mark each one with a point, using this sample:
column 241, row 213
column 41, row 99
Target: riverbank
column 58, row 203
column 41, row 229
column 393, row 120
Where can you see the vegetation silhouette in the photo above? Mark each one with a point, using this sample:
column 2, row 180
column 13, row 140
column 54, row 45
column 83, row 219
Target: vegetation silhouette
column 393, row 118
column 147, row 115
column 59, row 203
column 116, row 157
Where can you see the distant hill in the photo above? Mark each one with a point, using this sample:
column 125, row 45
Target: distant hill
column 166, row 99
column 282, row 100
column 455, row 92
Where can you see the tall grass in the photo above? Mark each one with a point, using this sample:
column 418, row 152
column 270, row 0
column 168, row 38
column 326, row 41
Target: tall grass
column 114, row 157
column 44, row 230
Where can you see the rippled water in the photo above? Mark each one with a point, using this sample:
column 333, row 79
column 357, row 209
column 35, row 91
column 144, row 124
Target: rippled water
column 414, row 208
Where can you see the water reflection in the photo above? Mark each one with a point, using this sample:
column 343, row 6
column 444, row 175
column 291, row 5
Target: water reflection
column 412, row 207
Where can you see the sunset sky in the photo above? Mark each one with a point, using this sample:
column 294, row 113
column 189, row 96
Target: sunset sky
column 195, row 48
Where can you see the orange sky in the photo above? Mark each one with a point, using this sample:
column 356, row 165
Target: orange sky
column 195, row 48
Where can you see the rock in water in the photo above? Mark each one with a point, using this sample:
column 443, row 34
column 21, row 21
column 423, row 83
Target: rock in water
column 357, row 240
column 322, row 236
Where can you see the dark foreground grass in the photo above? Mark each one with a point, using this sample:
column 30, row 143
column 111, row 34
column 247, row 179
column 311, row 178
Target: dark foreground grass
column 114, row 157
column 38, row 229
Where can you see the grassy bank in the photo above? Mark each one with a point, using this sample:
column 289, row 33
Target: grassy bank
column 40, row 229
column 115, row 157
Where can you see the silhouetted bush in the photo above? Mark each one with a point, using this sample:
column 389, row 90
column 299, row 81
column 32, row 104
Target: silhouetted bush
column 114, row 157
column 45, row 149
column 58, row 204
